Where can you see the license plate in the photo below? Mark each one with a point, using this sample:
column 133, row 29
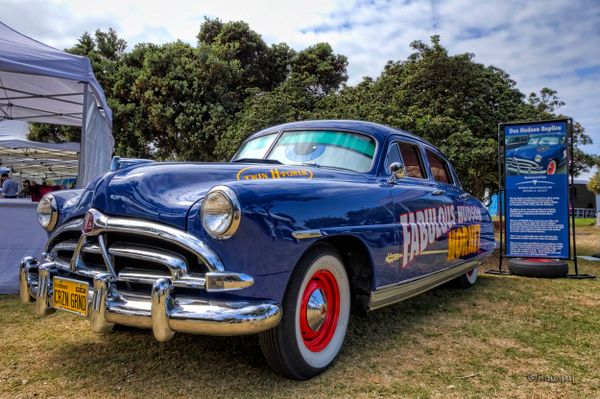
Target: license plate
column 70, row 295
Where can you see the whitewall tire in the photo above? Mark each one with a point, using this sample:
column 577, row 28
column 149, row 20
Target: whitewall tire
column 468, row 279
column 316, row 311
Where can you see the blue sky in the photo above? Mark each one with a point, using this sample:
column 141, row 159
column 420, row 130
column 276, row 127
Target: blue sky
column 552, row 43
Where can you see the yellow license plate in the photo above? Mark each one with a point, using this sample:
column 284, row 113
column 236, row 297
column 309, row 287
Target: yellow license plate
column 70, row 295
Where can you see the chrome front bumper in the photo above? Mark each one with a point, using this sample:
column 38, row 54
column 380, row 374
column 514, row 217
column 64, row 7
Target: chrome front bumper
column 163, row 311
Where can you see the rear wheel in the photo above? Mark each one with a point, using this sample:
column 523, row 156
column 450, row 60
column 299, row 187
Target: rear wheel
column 316, row 310
column 468, row 279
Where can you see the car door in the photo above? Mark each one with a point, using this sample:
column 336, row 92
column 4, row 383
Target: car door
column 466, row 234
column 422, row 209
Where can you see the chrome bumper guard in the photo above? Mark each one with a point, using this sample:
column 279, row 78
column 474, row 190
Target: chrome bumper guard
column 163, row 312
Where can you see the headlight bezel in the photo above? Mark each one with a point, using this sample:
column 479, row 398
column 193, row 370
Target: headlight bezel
column 234, row 212
column 51, row 212
column 538, row 158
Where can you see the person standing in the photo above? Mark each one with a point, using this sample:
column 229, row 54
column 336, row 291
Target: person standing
column 25, row 191
column 10, row 188
column 34, row 190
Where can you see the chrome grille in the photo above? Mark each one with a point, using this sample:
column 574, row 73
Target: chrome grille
column 129, row 257
column 523, row 165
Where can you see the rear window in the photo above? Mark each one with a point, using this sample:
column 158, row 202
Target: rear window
column 439, row 168
column 412, row 160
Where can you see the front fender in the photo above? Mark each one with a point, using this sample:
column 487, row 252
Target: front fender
column 264, row 245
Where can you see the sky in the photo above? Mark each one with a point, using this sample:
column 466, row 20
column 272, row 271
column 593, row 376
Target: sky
column 539, row 43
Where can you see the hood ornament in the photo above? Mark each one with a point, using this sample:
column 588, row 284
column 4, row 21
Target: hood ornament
column 94, row 223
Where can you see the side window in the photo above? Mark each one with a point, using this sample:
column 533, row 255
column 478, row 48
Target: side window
column 439, row 168
column 412, row 160
column 393, row 155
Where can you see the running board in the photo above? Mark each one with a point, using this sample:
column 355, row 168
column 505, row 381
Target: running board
column 395, row 293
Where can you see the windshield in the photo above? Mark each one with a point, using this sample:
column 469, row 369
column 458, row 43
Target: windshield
column 544, row 140
column 328, row 149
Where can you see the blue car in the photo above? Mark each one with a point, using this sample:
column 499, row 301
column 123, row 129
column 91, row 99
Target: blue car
column 541, row 155
column 308, row 220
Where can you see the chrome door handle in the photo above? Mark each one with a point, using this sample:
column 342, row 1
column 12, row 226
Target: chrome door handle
column 437, row 192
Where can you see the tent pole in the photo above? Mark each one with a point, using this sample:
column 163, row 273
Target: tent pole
column 81, row 165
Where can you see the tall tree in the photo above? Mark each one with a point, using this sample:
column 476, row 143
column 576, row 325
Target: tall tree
column 176, row 101
column 320, row 62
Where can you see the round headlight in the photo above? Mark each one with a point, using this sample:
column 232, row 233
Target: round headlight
column 220, row 212
column 47, row 212
column 538, row 158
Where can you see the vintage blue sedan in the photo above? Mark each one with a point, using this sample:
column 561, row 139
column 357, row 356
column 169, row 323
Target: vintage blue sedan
column 308, row 220
column 544, row 155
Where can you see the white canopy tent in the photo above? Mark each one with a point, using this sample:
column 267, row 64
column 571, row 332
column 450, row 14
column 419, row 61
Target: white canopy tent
column 30, row 160
column 41, row 84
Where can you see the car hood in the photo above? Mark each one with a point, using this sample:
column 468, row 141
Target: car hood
column 165, row 192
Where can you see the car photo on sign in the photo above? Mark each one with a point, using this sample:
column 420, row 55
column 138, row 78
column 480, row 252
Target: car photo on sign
column 540, row 154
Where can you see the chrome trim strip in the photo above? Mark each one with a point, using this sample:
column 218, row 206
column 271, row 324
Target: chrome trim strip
column 137, row 275
column 304, row 234
column 75, row 257
column 68, row 245
column 91, row 248
column 395, row 293
column 103, row 223
column 72, row 225
column 80, row 271
column 176, row 264
column 150, row 276
column 106, row 256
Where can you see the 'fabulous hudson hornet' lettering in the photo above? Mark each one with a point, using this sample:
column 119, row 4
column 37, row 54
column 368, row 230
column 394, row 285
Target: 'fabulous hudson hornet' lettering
column 250, row 173
column 421, row 228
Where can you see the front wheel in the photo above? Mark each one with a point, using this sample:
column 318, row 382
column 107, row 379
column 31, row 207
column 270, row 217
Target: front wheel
column 316, row 310
column 551, row 168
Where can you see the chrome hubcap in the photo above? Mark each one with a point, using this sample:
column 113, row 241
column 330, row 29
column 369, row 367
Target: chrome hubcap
column 316, row 310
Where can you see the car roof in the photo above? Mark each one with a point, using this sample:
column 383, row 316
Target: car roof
column 380, row 132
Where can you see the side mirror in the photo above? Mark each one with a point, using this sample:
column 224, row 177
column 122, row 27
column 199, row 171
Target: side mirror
column 487, row 201
column 397, row 171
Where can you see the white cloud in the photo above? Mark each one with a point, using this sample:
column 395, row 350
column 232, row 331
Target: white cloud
column 538, row 43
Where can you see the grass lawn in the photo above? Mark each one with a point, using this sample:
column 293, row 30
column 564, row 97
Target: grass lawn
column 447, row 343
column 580, row 222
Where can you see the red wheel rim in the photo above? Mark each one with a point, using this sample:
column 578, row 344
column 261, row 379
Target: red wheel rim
column 540, row 260
column 316, row 340
column 551, row 168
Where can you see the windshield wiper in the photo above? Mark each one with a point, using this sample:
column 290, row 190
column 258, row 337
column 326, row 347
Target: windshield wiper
column 316, row 165
column 258, row 160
